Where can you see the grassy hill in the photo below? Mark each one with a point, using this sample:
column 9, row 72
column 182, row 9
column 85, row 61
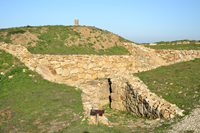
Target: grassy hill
column 65, row 40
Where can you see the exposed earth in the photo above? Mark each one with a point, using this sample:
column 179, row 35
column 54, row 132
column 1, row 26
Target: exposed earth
column 68, row 35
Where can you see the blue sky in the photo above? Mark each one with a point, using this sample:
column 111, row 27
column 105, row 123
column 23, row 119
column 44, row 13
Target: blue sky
column 141, row 21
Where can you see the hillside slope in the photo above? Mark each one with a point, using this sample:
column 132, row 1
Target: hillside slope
column 65, row 40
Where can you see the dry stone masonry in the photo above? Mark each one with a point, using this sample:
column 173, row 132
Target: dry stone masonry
column 124, row 91
column 130, row 94
column 72, row 69
column 95, row 94
column 147, row 59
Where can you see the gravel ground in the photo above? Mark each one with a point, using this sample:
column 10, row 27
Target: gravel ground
column 188, row 123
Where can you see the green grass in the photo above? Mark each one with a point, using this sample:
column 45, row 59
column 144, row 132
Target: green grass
column 178, row 83
column 53, row 40
column 11, row 31
column 176, row 47
column 118, row 116
column 61, row 49
column 30, row 103
column 121, row 39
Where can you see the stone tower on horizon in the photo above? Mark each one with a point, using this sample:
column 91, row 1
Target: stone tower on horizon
column 76, row 22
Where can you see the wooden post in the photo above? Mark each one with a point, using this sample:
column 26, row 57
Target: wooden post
column 97, row 119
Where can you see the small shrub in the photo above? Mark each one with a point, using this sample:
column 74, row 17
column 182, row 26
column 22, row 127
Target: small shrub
column 72, row 39
column 88, row 38
column 20, row 31
column 90, row 44
column 7, row 40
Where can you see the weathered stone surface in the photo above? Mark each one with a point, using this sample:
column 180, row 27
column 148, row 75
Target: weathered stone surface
column 88, row 76
column 104, row 102
column 58, row 78
column 54, row 62
column 91, row 65
column 65, row 63
column 81, row 70
column 85, row 66
column 45, row 72
column 65, row 73
column 81, row 76
column 115, row 105
column 59, row 71
column 151, row 61
column 115, row 97
column 159, row 61
column 122, row 69
column 94, row 76
column 75, row 78
column 114, row 88
column 34, row 65
column 53, row 71
column 44, row 61
column 107, row 65
column 101, row 75
column 75, row 70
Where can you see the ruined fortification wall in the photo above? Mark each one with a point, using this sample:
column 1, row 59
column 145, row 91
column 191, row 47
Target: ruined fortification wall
column 127, row 92
column 174, row 56
column 130, row 94
column 77, row 69
column 147, row 59
column 72, row 69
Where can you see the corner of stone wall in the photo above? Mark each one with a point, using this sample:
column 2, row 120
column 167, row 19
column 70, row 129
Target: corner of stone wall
column 132, row 95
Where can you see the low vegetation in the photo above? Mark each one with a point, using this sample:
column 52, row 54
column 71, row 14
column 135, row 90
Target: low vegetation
column 66, row 50
column 30, row 103
column 65, row 40
column 179, row 83
column 176, row 46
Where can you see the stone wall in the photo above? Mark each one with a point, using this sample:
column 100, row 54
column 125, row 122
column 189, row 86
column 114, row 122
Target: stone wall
column 130, row 94
column 174, row 56
column 72, row 69
column 77, row 69
column 95, row 94
column 127, row 93
column 147, row 59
